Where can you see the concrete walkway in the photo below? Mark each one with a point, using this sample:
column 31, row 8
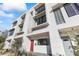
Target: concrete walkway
column 39, row 54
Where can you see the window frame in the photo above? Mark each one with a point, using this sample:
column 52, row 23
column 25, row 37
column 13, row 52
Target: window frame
column 57, row 14
column 42, row 40
column 41, row 20
column 76, row 11
column 11, row 32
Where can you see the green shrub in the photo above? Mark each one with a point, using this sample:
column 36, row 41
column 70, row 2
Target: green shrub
column 2, row 39
column 77, row 52
column 1, row 45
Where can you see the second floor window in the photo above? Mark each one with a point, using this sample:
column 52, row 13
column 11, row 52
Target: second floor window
column 72, row 9
column 58, row 16
column 43, row 41
column 41, row 20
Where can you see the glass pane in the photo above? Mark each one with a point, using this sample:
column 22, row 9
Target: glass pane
column 44, row 19
column 76, row 6
column 61, row 19
column 38, row 21
column 43, row 42
column 70, row 11
column 58, row 16
column 11, row 32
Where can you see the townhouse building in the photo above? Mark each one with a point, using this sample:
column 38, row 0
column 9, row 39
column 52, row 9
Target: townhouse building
column 47, row 28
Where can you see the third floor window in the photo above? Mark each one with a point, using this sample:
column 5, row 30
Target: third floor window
column 40, row 9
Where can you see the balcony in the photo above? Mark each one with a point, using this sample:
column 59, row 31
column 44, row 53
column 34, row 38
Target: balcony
column 20, row 30
column 41, row 26
column 21, row 25
column 19, row 33
column 39, row 10
column 40, row 14
column 11, row 32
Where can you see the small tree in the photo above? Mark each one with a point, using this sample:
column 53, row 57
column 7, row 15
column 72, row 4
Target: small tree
column 74, row 38
column 2, row 40
column 16, row 46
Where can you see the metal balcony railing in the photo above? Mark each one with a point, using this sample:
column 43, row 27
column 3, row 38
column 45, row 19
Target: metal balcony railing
column 39, row 10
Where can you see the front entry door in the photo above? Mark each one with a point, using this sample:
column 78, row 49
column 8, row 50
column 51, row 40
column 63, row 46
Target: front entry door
column 67, row 46
column 32, row 45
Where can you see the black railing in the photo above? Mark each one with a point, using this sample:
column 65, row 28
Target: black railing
column 40, row 9
column 41, row 20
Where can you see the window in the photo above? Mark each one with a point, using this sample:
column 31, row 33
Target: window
column 43, row 42
column 58, row 16
column 38, row 21
column 40, row 9
column 41, row 20
column 23, row 17
column 72, row 9
column 44, row 19
column 14, row 23
column 76, row 5
column 69, row 9
column 11, row 32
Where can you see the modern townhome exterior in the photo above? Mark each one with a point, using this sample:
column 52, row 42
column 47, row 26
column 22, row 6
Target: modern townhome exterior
column 47, row 28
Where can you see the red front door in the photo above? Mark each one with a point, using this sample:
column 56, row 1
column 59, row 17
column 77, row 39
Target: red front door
column 32, row 45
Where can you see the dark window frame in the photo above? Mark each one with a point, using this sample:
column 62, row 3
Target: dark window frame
column 42, row 41
column 40, row 9
column 41, row 20
column 11, row 32
column 67, row 10
column 75, row 9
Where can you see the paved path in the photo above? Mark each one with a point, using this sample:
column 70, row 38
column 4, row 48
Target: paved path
column 39, row 54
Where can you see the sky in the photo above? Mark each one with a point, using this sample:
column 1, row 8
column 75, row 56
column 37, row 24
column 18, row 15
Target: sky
column 9, row 12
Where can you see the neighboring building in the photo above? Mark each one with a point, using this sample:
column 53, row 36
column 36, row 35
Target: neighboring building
column 48, row 29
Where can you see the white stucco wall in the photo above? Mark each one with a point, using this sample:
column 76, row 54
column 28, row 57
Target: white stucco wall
column 56, row 42
column 69, row 21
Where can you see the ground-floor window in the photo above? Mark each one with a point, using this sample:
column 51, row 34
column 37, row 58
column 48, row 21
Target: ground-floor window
column 43, row 41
